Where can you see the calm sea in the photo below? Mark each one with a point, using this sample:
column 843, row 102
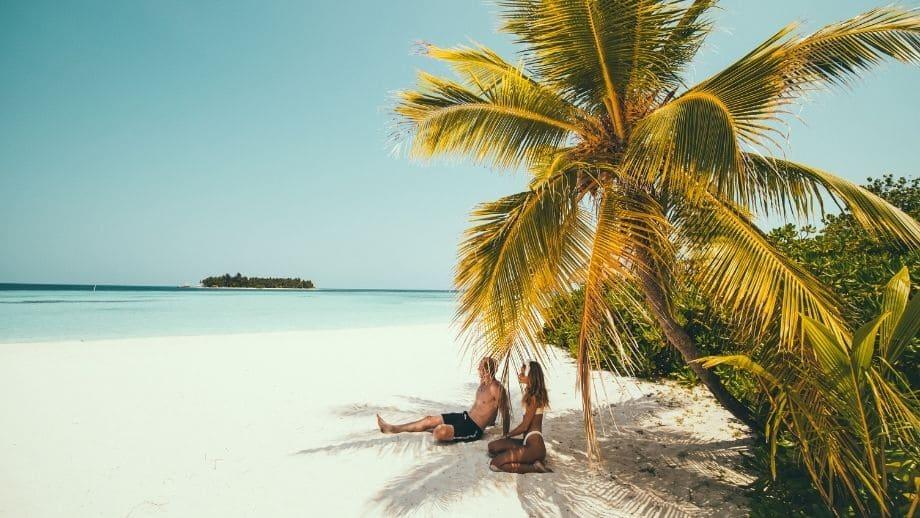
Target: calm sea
column 33, row 313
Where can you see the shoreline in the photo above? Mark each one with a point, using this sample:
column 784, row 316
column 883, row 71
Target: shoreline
column 242, row 288
column 230, row 335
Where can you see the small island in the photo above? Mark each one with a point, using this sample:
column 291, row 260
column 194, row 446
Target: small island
column 240, row 281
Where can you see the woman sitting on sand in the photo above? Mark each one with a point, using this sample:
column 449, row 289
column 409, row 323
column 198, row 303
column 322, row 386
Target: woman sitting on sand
column 525, row 455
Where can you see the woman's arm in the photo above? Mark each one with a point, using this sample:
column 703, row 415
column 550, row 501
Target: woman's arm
column 529, row 411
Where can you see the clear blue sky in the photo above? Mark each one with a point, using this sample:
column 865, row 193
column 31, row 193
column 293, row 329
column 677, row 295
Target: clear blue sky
column 158, row 142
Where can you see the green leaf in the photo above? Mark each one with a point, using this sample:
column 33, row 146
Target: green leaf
column 864, row 341
column 906, row 330
column 830, row 353
column 691, row 137
column 743, row 362
column 894, row 300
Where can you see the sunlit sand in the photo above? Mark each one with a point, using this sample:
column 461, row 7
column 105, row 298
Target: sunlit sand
column 283, row 425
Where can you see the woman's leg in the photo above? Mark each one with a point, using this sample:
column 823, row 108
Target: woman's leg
column 538, row 466
column 500, row 445
column 521, row 460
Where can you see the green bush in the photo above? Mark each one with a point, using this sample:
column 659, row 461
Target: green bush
column 846, row 412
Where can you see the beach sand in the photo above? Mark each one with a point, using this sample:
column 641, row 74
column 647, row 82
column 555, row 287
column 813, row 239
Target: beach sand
column 283, row 425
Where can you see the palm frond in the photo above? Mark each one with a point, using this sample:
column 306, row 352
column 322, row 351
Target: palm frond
column 510, row 125
column 783, row 191
column 691, row 21
column 592, row 49
column 741, row 270
column 873, row 213
column 691, row 138
column 906, row 329
column 552, row 164
column 480, row 66
column 753, row 89
column 684, row 40
column 742, row 362
column 841, row 52
column 751, row 96
column 483, row 70
column 697, row 138
column 522, row 250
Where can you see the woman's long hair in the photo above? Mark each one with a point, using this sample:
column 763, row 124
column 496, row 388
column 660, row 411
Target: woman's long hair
column 536, row 388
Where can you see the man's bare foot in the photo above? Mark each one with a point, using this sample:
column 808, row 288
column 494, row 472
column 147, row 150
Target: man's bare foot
column 384, row 426
column 493, row 467
column 540, row 467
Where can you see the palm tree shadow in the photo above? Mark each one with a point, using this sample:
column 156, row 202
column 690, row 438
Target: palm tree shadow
column 663, row 472
column 456, row 472
column 417, row 407
column 448, row 473
column 648, row 471
column 384, row 444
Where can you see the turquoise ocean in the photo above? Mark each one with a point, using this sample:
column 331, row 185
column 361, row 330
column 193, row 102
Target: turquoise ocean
column 37, row 313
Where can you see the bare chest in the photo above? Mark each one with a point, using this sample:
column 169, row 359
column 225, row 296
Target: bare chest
column 483, row 395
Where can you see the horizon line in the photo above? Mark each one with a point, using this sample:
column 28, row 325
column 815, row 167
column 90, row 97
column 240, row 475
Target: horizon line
column 23, row 286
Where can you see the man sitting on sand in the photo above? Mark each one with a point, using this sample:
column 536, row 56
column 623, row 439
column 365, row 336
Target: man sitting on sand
column 491, row 397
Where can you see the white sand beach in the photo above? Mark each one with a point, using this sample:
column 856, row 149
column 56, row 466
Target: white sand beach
column 283, row 425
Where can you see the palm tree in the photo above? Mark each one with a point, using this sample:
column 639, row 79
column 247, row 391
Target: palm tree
column 632, row 170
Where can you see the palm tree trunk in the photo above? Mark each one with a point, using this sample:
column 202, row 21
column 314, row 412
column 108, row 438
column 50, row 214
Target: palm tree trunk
column 678, row 337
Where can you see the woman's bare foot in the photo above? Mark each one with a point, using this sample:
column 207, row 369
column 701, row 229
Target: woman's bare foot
column 540, row 467
column 493, row 467
column 384, row 426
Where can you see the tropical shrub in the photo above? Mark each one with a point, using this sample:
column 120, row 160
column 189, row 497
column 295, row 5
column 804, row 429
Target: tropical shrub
column 851, row 417
column 845, row 258
column 855, row 264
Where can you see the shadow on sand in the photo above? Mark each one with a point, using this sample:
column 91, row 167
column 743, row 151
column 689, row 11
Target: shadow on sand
column 648, row 470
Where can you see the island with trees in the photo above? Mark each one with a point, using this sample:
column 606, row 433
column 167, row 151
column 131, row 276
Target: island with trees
column 239, row 281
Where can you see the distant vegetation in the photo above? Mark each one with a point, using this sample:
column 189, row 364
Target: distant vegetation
column 239, row 281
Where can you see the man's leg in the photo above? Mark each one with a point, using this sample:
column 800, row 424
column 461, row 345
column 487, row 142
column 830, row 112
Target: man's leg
column 443, row 433
column 422, row 425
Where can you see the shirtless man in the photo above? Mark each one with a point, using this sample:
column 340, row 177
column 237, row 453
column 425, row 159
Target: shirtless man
column 491, row 397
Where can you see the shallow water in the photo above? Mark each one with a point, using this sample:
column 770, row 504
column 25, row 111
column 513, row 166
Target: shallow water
column 45, row 313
